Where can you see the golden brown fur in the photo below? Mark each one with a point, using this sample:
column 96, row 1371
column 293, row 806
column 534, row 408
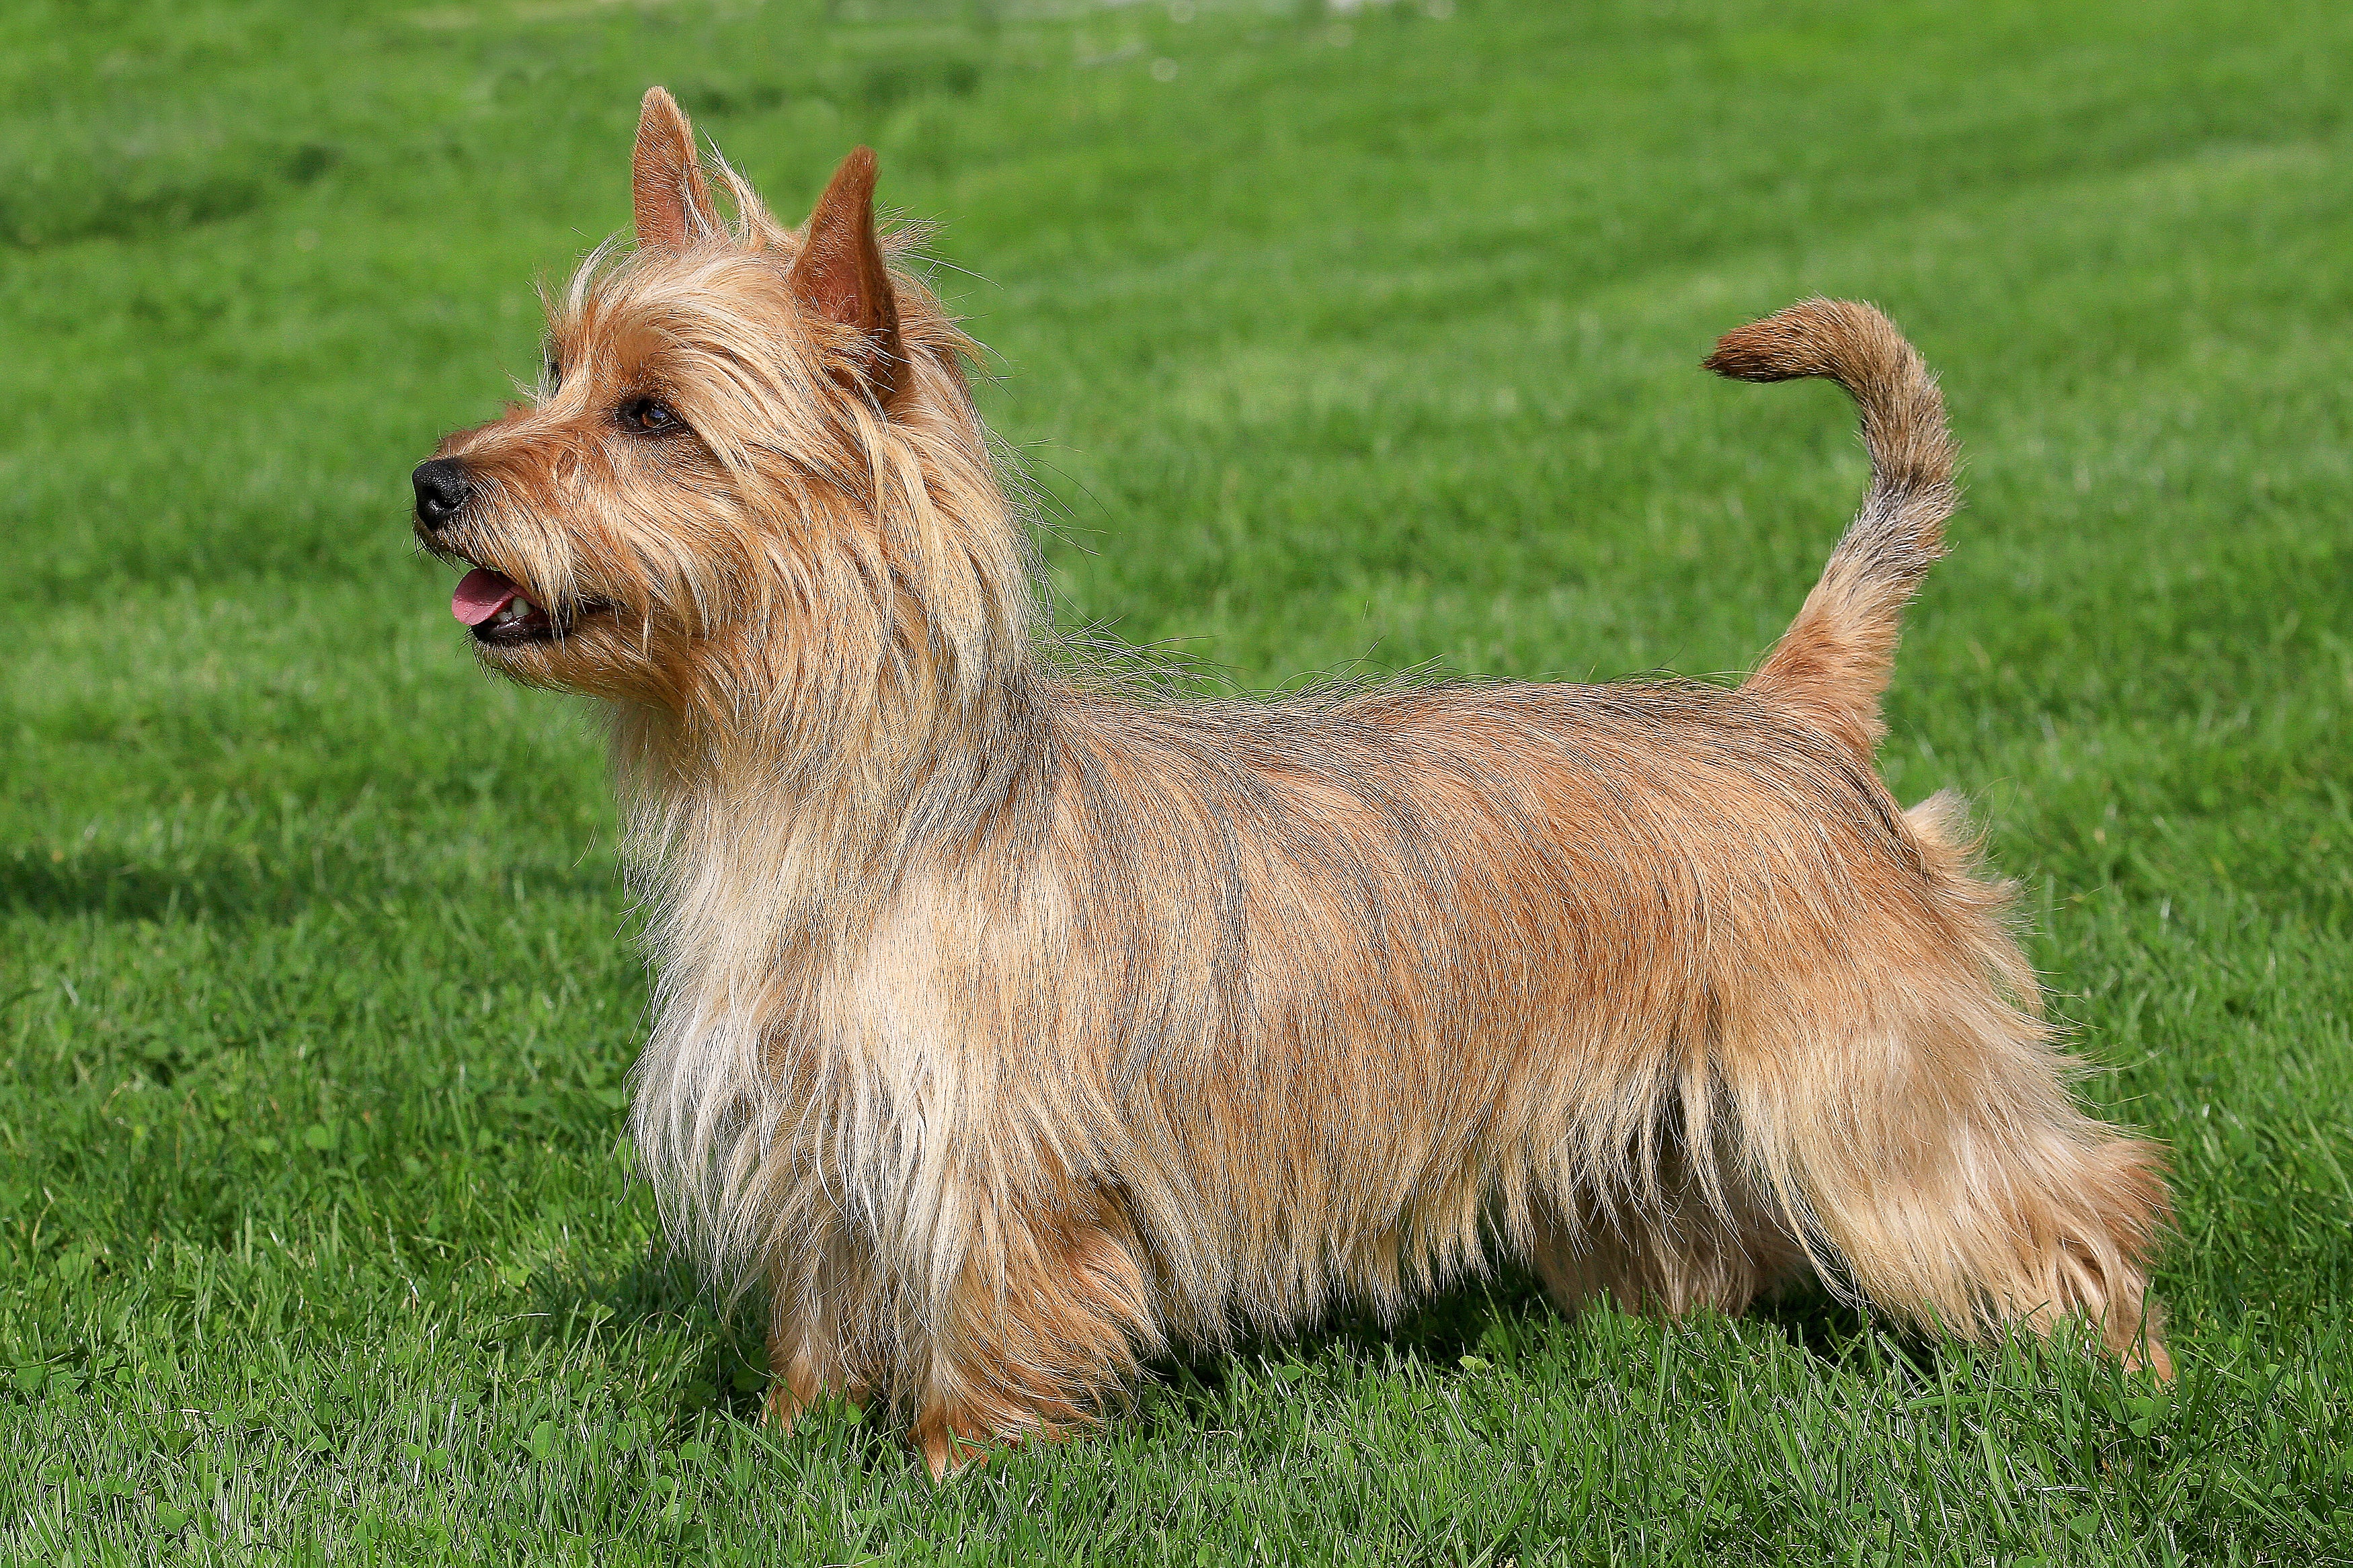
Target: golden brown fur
column 1010, row 1025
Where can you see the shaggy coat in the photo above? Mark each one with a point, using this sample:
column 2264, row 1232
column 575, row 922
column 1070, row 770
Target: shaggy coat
column 1011, row 1022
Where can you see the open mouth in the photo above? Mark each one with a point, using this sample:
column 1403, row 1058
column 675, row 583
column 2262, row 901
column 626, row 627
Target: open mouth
column 502, row 616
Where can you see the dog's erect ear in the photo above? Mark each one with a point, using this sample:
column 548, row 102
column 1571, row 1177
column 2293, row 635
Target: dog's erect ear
column 674, row 206
column 840, row 274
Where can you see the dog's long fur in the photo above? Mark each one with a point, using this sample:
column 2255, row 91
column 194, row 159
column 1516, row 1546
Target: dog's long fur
column 1010, row 1023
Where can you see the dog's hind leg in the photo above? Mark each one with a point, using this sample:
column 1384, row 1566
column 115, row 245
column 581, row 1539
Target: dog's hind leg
column 2014, row 1211
column 1924, row 1144
column 1995, row 1222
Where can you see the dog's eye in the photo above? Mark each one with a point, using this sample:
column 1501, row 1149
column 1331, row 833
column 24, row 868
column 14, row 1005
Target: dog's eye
column 649, row 416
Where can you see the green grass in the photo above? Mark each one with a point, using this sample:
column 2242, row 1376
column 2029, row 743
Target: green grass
column 1358, row 339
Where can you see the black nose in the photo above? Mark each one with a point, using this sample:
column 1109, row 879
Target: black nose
column 441, row 490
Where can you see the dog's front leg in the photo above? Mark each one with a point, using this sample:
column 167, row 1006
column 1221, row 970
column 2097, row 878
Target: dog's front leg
column 1038, row 1330
column 805, row 1363
column 812, row 1352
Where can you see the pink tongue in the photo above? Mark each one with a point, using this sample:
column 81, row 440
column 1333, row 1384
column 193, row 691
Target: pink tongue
column 481, row 594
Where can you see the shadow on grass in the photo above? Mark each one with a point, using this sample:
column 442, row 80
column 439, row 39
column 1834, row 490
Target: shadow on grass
column 1504, row 1310
column 229, row 886
column 1439, row 1330
column 731, row 1376
column 1484, row 1316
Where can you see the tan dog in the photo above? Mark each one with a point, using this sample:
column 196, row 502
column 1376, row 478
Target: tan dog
column 1011, row 1023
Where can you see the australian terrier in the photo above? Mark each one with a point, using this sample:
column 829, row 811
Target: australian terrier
column 1012, row 1021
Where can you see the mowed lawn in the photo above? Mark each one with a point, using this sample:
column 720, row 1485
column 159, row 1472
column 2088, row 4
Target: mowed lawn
column 1331, row 341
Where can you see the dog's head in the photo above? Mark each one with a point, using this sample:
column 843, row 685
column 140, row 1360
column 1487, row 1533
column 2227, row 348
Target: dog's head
column 751, row 468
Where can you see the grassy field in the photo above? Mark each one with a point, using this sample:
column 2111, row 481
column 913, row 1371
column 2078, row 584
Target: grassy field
column 1332, row 337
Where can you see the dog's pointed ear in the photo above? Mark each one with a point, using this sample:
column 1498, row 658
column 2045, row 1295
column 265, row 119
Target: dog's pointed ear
column 674, row 206
column 840, row 275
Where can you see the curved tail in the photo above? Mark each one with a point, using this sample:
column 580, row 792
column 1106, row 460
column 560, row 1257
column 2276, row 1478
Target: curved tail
column 1833, row 663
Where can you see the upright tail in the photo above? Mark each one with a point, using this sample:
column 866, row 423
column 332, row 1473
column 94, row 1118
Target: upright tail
column 1833, row 663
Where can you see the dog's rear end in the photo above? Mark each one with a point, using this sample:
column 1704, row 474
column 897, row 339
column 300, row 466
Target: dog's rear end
column 1938, row 1155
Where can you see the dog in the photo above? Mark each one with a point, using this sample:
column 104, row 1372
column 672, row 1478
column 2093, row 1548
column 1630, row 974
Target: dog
column 1013, row 1020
